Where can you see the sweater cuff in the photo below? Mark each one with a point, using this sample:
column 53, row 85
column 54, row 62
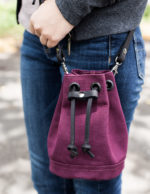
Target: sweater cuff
column 73, row 11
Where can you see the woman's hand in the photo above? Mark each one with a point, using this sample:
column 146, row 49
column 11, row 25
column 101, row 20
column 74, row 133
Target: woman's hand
column 48, row 24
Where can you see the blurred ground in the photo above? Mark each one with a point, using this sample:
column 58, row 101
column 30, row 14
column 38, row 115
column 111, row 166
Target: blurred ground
column 14, row 161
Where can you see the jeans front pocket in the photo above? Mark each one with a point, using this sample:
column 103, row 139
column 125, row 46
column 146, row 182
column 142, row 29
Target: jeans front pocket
column 47, row 51
column 140, row 53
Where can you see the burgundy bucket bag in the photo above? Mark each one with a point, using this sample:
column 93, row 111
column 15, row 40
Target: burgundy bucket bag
column 88, row 135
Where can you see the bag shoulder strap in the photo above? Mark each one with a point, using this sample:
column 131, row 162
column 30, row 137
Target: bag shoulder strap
column 118, row 61
column 124, row 49
column 123, row 52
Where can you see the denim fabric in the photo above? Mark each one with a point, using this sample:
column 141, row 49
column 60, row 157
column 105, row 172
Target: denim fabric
column 41, row 78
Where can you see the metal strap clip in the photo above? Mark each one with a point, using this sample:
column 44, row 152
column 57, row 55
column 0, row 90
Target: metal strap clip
column 115, row 68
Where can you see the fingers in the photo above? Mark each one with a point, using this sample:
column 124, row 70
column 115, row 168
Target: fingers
column 43, row 40
column 31, row 28
column 47, row 42
column 34, row 29
column 51, row 43
column 38, row 33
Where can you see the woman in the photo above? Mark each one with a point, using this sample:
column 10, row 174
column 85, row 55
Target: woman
column 97, row 29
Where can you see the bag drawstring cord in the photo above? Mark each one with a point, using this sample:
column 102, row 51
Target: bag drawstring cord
column 86, row 146
column 72, row 147
column 74, row 94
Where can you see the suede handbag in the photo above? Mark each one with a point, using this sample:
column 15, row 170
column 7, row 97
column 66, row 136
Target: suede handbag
column 88, row 135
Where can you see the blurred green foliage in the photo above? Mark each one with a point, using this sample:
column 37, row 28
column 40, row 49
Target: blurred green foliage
column 8, row 24
column 147, row 13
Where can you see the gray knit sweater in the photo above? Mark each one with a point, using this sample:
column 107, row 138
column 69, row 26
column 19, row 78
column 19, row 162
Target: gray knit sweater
column 93, row 18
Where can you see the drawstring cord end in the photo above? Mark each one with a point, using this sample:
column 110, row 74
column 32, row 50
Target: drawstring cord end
column 86, row 148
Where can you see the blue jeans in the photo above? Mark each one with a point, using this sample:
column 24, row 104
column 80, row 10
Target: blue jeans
column 41, row 78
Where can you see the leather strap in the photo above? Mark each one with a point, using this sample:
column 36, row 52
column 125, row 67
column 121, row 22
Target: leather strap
column 86, row 146
column 119, row 59
column 124, row 49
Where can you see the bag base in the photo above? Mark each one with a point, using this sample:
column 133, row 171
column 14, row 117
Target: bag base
column 76, row 171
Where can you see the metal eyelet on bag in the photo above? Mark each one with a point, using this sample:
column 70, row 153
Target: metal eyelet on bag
column 76, row 85
column 96, row 85
column 110, row 85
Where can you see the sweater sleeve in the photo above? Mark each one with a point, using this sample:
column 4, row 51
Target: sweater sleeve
column 75, row 10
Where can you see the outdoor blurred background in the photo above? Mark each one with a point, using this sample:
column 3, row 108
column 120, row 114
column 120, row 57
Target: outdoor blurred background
column 14, row 161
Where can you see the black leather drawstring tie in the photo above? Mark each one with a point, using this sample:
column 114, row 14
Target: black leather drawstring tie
column 75, row 94
column 71, row 147
column 86, row 146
